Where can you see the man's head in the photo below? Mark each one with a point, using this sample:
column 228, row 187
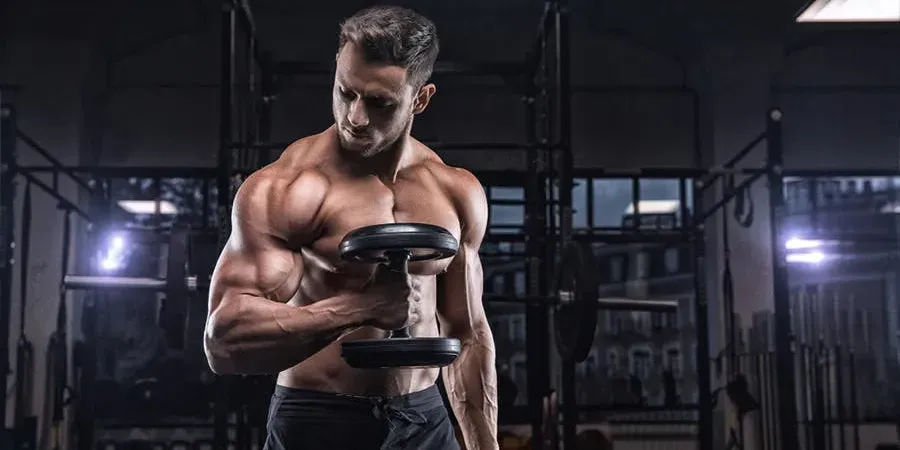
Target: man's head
column 385, row 57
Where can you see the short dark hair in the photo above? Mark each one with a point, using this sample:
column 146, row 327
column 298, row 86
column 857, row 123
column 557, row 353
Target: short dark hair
column 396, row 36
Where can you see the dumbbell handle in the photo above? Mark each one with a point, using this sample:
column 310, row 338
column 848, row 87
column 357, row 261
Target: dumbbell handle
column 399, row 260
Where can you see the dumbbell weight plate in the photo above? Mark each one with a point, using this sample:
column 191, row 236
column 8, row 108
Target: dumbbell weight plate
column 424, row 242
column 400, row 352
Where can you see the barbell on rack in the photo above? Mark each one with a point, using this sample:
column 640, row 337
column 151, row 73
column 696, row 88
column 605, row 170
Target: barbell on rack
column 603, row 303
column 100, row 282
column 177, row 285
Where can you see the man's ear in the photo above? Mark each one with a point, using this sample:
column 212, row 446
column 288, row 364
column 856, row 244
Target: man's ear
column 424, row 97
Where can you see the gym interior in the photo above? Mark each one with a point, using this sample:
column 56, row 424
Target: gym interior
column 725, row 173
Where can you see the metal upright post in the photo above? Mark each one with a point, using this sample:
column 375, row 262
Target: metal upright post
column 537, row 326
column 228, row 66
column 7, row 237
column 564, row 177
column 784, row 353
column 701, row 322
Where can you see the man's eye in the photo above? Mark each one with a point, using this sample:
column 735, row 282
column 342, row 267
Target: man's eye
column 346, row 94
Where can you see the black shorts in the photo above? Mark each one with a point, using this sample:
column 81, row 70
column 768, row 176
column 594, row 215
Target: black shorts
column 301, row 419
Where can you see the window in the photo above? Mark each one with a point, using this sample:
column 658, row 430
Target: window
column 519, row 283
column 673, row 361
column 133, row 189
column 659, row 189
column 611, row 198
column 686, row 310
column 507, row 208
column 507, row 215
column 671, row 258
column 641, row 265
column 617, row 269
column 580, row 203
column 641, row 362
column 642, row 321
column 670, row 321
column 517, row 328
column 497, row 284
column 187, row 196
column 658, row 321
column 612, row 362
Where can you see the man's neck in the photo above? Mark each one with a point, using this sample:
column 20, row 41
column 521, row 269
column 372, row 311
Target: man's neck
column 386, row 163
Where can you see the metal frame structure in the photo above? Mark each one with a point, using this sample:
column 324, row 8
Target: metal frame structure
column 10, row 136
column 548, row 102
column 245, row 113
column 238, row 24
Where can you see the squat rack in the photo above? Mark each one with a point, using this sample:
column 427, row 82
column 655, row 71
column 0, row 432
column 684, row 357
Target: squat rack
column 550, row 163
column 239, row 31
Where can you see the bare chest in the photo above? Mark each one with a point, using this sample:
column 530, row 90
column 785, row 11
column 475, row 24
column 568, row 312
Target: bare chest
column 358, row 204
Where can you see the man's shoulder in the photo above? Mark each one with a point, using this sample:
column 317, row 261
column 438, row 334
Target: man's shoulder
column 456, row 181
column 464, row 190
column 283, row 181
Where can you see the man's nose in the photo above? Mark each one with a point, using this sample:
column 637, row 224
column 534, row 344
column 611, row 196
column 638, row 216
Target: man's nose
column 357, row 116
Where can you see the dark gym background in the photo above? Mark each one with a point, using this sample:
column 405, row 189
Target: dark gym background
column 135, row 84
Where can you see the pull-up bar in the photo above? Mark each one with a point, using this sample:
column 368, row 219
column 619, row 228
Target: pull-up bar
column 441, row 68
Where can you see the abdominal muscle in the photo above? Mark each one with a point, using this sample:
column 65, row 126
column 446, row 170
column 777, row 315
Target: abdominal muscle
column 326, row 370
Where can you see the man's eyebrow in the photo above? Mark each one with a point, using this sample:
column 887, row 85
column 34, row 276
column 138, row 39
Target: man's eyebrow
column 375, row 95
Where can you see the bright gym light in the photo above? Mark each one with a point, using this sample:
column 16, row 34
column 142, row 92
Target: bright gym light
column 851, row 11
column 112, row 254
column 148, row 207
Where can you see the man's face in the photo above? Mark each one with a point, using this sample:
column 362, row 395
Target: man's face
column 373, row 104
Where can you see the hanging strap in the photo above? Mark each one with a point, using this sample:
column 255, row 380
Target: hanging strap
column 743, row 203
column 24, row 381
column 66, row 243
column 728, row 293
column 23, row 258
column 58, row 342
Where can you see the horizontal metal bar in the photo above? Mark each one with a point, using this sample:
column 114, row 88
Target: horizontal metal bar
column 481, row 146
column 52, row 160
column 92, row 283
column 86, row 282
column 64, row 202
column 441, row 68
column 628, row 236
column 627, row 304
column 737, row 157
column 125, row 171
column 633, row 89
column 837, row 89
column 675, row 172
column 608, row 304
column 826, row 173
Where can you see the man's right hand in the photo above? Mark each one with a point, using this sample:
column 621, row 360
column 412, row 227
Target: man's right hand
column 393, row 298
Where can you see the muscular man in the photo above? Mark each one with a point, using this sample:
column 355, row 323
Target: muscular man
column 282, row 301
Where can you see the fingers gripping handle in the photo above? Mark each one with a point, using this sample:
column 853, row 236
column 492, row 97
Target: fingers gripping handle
column 399, row 260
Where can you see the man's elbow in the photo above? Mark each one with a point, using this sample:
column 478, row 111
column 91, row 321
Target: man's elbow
column 218, row 348
column 218, row 356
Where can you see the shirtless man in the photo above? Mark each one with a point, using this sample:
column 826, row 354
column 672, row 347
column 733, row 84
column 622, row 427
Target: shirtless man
column 282, row 301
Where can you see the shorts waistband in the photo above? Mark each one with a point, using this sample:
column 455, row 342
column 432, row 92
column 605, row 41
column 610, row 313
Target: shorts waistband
column 425, row 399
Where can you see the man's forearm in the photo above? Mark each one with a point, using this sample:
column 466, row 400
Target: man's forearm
column 253, row 335
column 471, row 384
